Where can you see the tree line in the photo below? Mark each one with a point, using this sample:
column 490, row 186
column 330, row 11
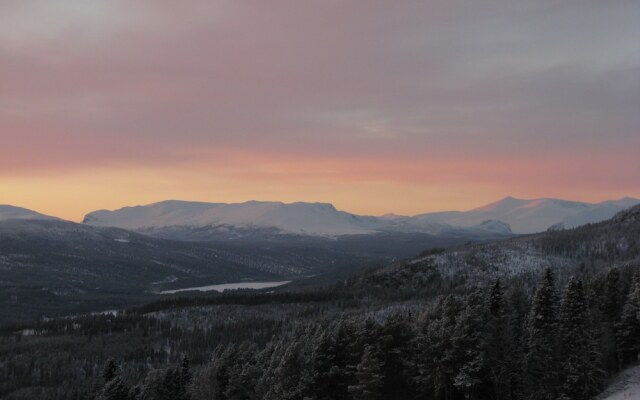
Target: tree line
column 493, row 343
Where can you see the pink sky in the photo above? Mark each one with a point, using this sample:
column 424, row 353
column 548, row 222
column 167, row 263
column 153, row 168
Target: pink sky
column 409, row 108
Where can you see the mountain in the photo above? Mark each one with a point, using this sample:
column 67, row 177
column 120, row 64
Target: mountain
column 257, row 220
column 214, row 221
column 536, row 215
column 313, row 219
column 12, row 212
column 590, row 248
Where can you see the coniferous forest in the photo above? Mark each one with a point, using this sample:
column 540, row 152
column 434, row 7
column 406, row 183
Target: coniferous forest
column 419, row 329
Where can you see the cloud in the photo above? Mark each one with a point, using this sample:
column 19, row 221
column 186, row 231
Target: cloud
column 147, row 84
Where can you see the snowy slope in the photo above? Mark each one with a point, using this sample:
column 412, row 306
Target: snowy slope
column 12, row 212
column 296, row 218
column 537, row 215
column 625, row 386
column 322, row 219
column 310, row 219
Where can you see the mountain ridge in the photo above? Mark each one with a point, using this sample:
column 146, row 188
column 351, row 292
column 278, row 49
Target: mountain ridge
column 13, row 212
column 520, row 216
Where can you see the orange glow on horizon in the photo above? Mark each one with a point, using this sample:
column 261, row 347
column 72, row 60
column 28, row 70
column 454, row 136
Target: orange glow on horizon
column 363, row 186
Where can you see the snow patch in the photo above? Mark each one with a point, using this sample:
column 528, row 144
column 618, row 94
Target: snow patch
column 625, row 386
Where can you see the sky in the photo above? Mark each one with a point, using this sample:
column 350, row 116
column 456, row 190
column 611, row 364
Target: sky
column 374, row 106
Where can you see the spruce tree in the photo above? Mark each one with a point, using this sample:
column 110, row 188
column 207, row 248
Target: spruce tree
column 610, row 308
column 115, row 389
column 184, row 378
column 628, row 329
column 109, row 370
column 469, row 345
column 499, row 347
column 369, row 375
column 581, row 372
column 541, row 360
column 436, row 362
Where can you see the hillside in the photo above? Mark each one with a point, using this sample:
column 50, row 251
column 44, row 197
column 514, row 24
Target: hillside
column 535, row 215
column 588, row 248
column 626, row 386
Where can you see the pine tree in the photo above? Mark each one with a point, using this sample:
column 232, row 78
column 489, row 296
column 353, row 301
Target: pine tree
column 291, row 375
column 499, row 347
column 628, row 329
column 435, row 362
column 109, row 370
column 334, row 362
column 395, row 336
column 469, row 345
column 519, row 304
column 610, row 308
column 581, row 372
column 184, row 378
column 369, row 376
column 115, row 389
column 614, row 299
column 542, row 362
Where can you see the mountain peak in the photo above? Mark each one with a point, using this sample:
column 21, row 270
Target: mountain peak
column 506, row 202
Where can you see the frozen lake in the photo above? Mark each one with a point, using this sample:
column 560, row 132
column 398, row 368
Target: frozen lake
column 230, row 286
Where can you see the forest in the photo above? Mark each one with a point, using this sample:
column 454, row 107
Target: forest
column 551, row 316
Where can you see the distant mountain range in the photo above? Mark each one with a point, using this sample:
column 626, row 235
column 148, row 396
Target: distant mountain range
column 202, row 221
column 187, row 220
column 536, row 215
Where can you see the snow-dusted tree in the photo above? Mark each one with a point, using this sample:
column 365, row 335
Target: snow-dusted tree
column 498, row 346
column 109, row 370
column 436, row 363
column 115, row 389
column 628, row 329
column 581, row 359
column 542, row 359
column 469, row 343
column 291, row 376
column 369, row 376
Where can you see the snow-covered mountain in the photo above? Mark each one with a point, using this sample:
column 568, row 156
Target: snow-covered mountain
column 322, row 219
column 536, row 215
column 313, row 219
column 307, row 219
column 12, row 212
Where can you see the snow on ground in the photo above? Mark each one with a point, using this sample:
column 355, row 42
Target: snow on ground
column 495, row 260
column 625, row 386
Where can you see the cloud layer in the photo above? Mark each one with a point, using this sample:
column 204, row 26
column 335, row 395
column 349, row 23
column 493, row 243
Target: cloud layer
column 527, row 98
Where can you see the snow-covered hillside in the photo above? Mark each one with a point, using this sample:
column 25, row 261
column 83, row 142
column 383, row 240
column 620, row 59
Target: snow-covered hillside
column 12, row 212
column 625, row 386
column 296, row 218
column 322, row 219
column 537, row 215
